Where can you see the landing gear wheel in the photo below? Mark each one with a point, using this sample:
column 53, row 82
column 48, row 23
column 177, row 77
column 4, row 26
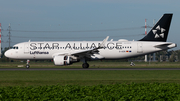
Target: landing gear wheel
column 27, row 66
column 85, row 65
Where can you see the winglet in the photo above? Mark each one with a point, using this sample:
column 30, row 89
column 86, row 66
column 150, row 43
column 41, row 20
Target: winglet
column 104, row 42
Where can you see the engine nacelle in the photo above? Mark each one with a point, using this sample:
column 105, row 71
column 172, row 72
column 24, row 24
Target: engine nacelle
column 62, row 60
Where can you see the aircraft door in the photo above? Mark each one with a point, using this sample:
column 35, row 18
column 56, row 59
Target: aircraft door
column 139, row 48
column 26, row 48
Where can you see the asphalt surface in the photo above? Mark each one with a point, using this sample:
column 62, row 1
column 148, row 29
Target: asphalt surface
column 40, row 69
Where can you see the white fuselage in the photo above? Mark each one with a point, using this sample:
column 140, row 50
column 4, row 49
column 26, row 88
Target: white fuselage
column 112, row 49
column 68, row 52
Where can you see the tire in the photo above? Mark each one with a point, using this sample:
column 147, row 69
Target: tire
column 85, row 65
column 27, row 66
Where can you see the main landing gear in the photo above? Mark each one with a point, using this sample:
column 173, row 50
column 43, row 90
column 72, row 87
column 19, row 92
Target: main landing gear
column 27, row 65
column 85, row 65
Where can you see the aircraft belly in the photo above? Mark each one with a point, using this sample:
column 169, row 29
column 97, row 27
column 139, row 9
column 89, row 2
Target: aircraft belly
column 116, row 54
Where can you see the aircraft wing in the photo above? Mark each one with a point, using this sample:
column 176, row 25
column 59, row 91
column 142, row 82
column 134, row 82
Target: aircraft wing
column 85, row 53
column 90, row 51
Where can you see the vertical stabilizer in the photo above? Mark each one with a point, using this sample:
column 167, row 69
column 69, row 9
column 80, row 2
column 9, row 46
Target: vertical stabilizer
column 160, row 30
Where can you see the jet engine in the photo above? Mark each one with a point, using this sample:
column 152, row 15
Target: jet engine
column 62, row 60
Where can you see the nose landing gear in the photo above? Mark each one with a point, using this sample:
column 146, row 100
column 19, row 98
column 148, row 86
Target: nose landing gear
column 27, row 65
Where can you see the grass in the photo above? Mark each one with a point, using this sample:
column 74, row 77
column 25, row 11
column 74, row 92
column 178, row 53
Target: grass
column 41, row 78
column 93, row 64
column 80, row 77
column 92, row 84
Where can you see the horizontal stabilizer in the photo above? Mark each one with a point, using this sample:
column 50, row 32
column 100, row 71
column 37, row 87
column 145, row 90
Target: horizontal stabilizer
column 162, row 45
column 165, row 45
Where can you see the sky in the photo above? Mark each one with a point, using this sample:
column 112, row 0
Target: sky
column 84, row 20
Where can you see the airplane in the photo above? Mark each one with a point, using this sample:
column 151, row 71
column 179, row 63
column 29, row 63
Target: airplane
column 69, row 52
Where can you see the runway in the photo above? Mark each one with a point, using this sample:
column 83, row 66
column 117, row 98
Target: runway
column 59, row 69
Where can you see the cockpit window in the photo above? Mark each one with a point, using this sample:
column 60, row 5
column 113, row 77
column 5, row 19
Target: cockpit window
column 15, row 47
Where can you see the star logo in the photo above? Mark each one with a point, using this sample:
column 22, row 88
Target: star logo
column 159, row 32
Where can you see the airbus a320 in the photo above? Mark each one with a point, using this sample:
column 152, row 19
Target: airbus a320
column 69, row 52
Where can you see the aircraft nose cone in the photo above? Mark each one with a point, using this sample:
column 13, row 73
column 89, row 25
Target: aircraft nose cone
column 7, row 53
